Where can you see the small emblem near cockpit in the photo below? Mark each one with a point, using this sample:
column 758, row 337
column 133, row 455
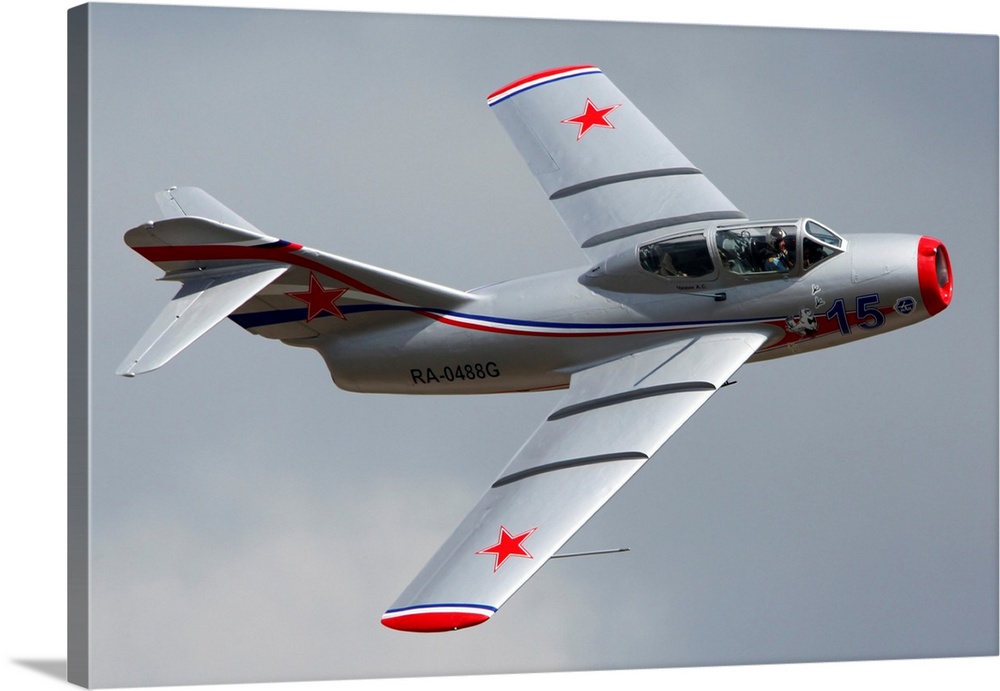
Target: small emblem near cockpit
column 816, row 298
column 804, row 324
column 905, row 305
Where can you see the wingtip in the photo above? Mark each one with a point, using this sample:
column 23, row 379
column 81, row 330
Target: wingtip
column 537, row 79
column 436, row 618
column 131, row 367
column 127, row 368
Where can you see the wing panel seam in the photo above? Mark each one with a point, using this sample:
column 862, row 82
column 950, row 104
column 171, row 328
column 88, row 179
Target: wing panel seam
column 622, row 177
column 572, row 463
column 633, row 395
column 645, row 226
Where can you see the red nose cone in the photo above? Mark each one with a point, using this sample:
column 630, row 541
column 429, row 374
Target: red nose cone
column 934, row 273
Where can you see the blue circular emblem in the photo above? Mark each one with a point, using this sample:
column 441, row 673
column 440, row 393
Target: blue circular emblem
column 905, row 305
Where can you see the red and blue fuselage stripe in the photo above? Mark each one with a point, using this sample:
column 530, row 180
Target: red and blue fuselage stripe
column 278, row 251
column 286, row 252
column 524, row 327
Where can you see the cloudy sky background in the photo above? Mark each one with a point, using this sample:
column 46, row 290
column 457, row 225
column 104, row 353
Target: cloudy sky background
column 251, row 521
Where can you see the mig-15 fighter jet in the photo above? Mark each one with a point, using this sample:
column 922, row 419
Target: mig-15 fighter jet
column 677, row 289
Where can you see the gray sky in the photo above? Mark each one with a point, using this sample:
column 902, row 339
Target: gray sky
column 251, row 521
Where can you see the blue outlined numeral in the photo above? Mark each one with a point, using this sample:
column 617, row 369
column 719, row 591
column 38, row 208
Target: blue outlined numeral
column 868, row 314
column 867, row 310
column 839, row 312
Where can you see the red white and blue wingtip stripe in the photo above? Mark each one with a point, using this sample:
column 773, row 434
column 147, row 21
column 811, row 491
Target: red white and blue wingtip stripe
column 437, row 618
column 539, row 79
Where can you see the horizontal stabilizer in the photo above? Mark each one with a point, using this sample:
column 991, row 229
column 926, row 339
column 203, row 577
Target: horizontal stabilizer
column 200, row 304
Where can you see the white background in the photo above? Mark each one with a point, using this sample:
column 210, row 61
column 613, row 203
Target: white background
column 33, row 498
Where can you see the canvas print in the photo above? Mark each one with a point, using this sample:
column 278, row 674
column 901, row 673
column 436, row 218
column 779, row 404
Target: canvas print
column 520, row 263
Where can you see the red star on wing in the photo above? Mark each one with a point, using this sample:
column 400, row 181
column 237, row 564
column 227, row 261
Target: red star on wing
column 319, row 299
column 508, row 546
column 592, row 116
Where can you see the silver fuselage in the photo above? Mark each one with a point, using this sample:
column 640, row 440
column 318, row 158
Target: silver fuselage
column 533, row 333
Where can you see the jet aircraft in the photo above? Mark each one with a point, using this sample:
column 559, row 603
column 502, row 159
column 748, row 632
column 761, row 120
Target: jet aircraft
column 677, row 289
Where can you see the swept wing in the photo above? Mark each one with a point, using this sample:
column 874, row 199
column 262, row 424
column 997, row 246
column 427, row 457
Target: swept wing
column 609, row 172
column 613, row 177
column 612, row 419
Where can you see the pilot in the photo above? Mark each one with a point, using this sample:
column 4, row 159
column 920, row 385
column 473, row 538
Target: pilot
column 812, row 254
column 667, row 267
column 776, row 256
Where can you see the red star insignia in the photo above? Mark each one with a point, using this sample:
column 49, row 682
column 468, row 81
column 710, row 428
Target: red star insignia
column 507, row 546
column 592, row 116
column 319, row 299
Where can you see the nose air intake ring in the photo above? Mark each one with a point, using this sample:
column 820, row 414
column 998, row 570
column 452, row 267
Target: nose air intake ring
column 934, row 274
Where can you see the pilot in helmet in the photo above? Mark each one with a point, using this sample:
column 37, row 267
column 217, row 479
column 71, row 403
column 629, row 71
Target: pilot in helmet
column 778, row 257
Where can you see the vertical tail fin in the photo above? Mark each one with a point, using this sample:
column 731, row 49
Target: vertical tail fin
column 177, row 202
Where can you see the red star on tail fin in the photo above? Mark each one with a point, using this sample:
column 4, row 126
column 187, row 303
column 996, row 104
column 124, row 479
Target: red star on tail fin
column 319, row 299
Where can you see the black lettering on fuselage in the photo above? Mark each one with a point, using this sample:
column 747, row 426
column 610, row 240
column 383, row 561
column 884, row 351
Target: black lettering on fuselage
column 462, row 372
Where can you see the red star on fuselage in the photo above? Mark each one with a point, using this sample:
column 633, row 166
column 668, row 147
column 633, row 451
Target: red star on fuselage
column 508, row 546
column 592, row 116
column 319, row 299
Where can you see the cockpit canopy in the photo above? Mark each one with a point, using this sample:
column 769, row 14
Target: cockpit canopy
column 773, row 247
column 684, row 256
